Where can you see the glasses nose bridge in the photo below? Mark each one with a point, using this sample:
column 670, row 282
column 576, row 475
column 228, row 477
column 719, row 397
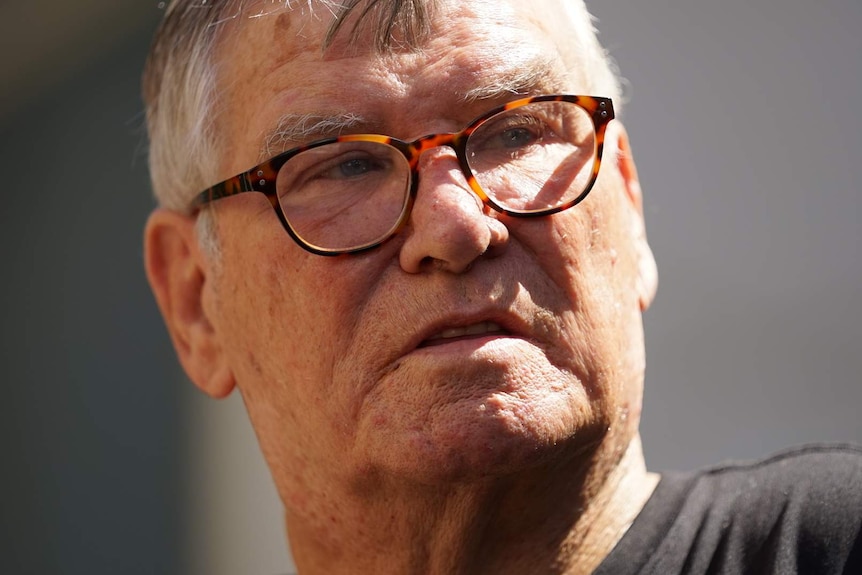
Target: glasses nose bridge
column 419, row 146
column 454, row 140
column 458, row 142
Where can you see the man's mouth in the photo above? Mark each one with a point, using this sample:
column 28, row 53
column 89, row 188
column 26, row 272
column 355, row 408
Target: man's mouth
column 475, row 330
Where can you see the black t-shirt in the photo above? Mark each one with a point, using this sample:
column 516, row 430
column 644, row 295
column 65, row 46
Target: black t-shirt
column 799, row 512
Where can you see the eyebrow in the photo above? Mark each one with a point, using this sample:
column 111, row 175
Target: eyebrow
column 537, row 74
column 293, row 129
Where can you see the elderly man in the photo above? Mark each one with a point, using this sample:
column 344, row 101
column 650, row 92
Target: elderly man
column 410, row 234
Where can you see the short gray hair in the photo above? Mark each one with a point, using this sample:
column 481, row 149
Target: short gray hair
column 180, row 78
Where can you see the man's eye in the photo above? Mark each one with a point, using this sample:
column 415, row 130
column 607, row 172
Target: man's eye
column 511, row 133
column 354, row 167
column 518, row 137
column 357, row 166
column 345, row 168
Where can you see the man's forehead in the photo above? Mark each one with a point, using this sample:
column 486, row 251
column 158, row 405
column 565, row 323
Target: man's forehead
column 482, row 33
column 479, row 51
column 307, row 23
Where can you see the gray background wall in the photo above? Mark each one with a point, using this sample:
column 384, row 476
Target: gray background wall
column 747, row 132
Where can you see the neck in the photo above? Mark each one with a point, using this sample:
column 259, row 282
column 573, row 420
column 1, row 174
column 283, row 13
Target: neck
column 560, row 519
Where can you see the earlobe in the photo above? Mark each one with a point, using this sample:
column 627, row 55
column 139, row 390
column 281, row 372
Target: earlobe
column 647, row 280
column 177, row 272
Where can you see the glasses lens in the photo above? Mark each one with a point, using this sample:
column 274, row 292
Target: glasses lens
column 344, row 195
column 535, row 157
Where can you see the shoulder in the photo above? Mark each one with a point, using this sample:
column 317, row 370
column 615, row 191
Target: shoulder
column 811, row 457
column 799, row 508
column 813, row 478
column 799, row 511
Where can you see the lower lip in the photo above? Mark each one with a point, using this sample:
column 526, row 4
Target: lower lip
column 467, row 341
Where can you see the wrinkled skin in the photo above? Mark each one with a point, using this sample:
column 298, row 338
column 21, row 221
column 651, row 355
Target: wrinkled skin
column 357, row 418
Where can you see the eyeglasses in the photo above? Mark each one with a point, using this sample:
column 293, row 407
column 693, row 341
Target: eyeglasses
column 531, row 157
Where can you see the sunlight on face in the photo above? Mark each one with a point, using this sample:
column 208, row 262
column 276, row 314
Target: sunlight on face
column 502, row 350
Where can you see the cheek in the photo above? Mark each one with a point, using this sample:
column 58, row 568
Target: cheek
column 274, row 308
column 610, row 279
column 277, row 323
column 599, row 251
column 591, row 259
column 287, row 319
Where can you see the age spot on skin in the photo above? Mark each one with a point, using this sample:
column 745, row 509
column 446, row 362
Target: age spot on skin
column 255, row 364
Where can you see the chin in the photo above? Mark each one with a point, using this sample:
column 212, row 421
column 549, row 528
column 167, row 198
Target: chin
column 488, row 438
column 486, row 415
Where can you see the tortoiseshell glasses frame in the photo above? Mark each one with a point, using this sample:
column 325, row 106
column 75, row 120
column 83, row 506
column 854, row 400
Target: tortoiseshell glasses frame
column 328, row 198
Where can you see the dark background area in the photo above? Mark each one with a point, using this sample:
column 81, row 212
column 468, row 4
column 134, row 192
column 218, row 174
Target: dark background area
column 747, row 132
column 91, row 410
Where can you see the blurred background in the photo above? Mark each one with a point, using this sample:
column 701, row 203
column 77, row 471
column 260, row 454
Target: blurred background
column 746, row 125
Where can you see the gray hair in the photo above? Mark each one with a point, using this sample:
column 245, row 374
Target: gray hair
column 180, row 78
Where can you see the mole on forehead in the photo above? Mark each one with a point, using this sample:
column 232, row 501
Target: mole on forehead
column 275, row 28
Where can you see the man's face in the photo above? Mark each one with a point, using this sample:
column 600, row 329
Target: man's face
column 344, row 363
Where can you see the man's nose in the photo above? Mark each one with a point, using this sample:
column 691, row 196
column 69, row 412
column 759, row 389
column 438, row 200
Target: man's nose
column 449, row 226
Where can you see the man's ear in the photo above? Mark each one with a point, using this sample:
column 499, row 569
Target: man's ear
column 177, row 271
column 647, row 281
